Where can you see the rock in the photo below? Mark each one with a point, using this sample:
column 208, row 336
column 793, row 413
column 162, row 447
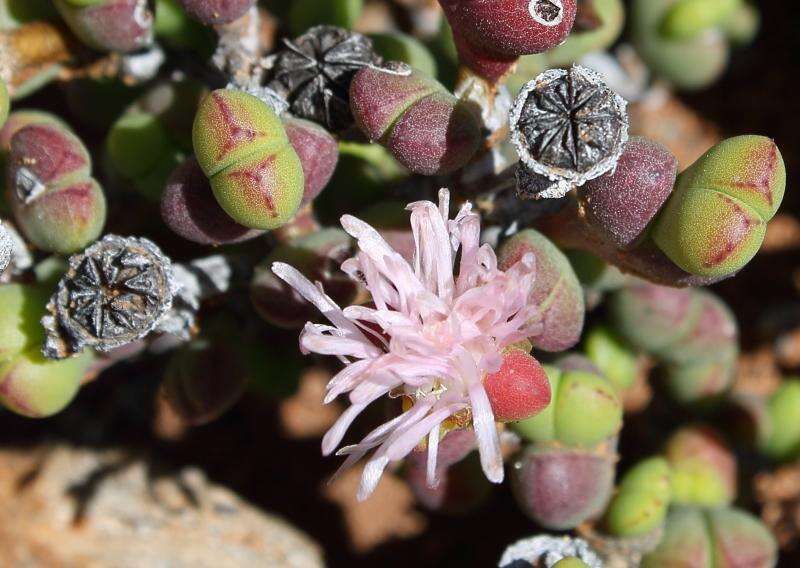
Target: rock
column 71, row 507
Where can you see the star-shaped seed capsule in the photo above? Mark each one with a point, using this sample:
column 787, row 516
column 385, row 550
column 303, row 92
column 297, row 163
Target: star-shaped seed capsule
column 115, row 292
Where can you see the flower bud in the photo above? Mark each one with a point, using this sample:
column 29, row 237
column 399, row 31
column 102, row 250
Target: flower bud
column 211, row 12
column 318, row 257
column 520, row 389
column 622, row 203
column 783, row 431
column 584, row 410
column 490, row 35
column 242, row 147
column 56, row 203
column 37, row 387
column 716, row 218
column 23, row 307
column 559, row 487
column 318, row 152
column 612, row 356
column 425, row 128
column 189, row 208
column 556, row 289
column 109, row 25
column 461, row 484
column 703, row 468
column 203, row 380
column 643, row 496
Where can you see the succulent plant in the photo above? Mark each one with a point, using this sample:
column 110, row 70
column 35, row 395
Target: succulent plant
column 715, row 220
column 423, row 126
column 691, row 331
column 783, row 431
column 109, row 25
column 624, row 202
column 640, row 505
column 211, row 12
column 56, row 202
column 703, row 468
column 612, row 356
column 557, row 289
column 23, row 307
column 559, row 487
column 490, row 36
column 5, row 103
column 318, row 152
column 189, row 208
column 305, row 14
column 584, row 411
column 722, row 537
column 317, row 256
column 203, row 380
column 687, row 42
column 397, row 46
column 243, row 148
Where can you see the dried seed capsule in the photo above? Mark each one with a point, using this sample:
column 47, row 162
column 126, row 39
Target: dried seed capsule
column 318, row 152
column 716, row 218
column 544, row 549
column 585, row 410
column 56, row 203
column 425, row 128
column 109, row 25
column 203, row 380
column 491, row 35
column 314, row 71
column 640, row 504
column 242, row 147
column 37, row 387
column 461, row 485
column 318, row 257
column 520, row 389
column 569, row 127
column 782, row 441
column 114, row 292
column 559, row 487
column 622, row 203
column 210, row 12
column 23, row 307
column 6, row 248
column 703, row 468
column 189, row 208
column 556, row 289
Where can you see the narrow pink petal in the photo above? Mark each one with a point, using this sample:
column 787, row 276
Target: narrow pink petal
column 433, row 452
column 334, row 436
column 486, row 434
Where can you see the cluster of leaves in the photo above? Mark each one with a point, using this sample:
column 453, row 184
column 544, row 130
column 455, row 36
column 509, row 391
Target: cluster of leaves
column 254, row 152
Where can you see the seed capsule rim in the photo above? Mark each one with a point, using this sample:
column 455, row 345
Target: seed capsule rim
column 563, row 179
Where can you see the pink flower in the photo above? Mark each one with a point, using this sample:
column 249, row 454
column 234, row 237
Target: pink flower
column 441, row 335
